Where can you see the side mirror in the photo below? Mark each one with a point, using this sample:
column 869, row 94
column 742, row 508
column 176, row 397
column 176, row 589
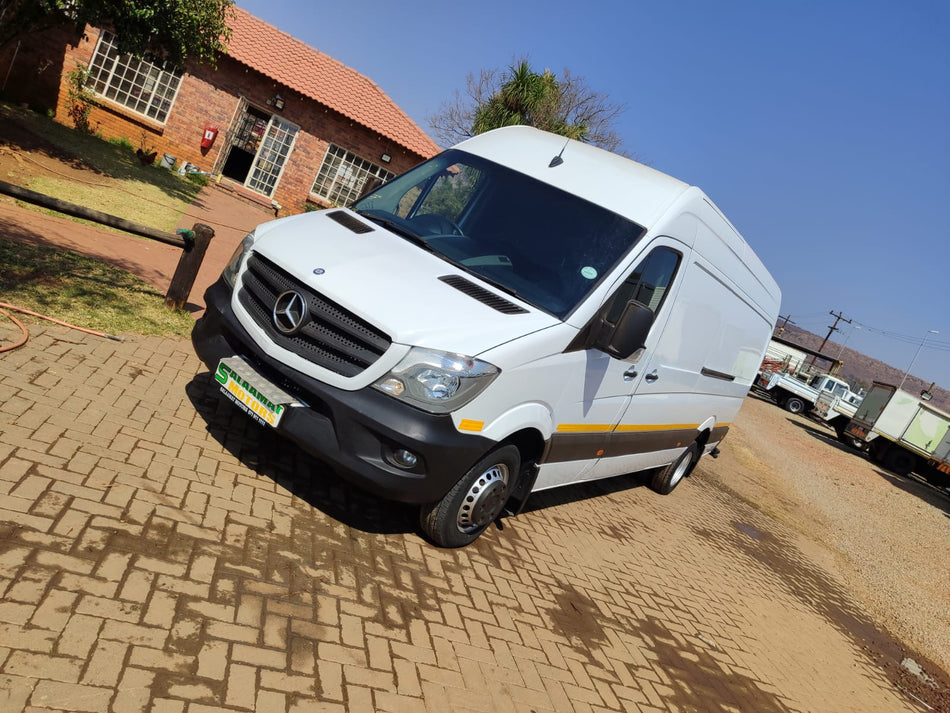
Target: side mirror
column 629, row 334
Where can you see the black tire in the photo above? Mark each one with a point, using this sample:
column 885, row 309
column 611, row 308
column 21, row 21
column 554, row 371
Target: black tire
column 475, row 502
column 899, row 461
column 875, row 452
column 666, row 479
column 793, row 404
column 841, row 429
column 852, row 442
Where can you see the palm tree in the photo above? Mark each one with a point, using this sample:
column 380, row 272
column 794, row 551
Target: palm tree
column 528, row 98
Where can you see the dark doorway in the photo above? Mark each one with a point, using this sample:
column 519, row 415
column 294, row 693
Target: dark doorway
column 244, row 144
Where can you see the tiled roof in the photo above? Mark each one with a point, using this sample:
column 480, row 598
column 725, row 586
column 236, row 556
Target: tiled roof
column 287, row 60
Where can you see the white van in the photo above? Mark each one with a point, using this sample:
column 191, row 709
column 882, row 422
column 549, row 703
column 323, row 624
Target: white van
column 517, row 313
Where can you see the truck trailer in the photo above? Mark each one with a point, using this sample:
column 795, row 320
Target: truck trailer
column 902, row 431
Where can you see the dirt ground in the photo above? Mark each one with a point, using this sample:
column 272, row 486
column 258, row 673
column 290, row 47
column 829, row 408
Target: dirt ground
column 883, row 535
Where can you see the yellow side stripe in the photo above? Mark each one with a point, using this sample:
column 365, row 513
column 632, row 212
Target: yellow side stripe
column 640, row 427
column 657, row 427
column 584, row 427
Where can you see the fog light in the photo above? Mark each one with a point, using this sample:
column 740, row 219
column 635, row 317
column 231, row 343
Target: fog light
column 404, row 458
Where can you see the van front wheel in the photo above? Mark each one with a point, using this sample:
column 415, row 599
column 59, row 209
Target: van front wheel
column 475, row 502
column 669, row 477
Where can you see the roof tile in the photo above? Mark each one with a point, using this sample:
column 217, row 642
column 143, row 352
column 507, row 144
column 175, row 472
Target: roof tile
column 298, row 66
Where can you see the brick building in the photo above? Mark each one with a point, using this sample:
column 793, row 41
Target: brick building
column 278, row 120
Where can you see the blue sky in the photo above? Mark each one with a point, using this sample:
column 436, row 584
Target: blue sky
column 821, row 129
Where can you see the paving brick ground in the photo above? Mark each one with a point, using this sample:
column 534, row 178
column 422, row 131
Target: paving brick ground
column 159, row 553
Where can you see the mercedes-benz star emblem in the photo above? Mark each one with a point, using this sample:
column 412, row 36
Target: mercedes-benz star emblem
column 290, row 312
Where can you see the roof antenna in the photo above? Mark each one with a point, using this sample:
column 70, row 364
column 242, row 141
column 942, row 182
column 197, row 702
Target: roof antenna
column 557, row 160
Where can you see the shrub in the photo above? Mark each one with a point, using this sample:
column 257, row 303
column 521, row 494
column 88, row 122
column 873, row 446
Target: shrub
column 199, row 179
column 79, row 99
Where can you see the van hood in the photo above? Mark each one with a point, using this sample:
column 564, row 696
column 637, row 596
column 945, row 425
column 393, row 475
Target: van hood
column 393, row 284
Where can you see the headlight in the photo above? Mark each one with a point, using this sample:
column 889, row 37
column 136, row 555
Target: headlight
column 438, row 382
column 234, row 264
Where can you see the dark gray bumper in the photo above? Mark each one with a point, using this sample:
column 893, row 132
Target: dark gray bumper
column 350, row 430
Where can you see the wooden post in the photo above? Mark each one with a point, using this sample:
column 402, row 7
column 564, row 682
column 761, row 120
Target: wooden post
column 97, row 216
column 189, row 262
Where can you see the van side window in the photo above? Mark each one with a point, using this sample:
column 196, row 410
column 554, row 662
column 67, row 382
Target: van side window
column 648, row 283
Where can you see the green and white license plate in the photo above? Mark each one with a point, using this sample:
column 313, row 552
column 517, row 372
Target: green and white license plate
column 258, row 397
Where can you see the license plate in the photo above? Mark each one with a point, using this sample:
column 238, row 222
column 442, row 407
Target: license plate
column 254, row 394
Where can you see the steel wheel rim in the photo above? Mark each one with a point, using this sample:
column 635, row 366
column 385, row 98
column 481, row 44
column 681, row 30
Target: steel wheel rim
column 484, row 499
column 681, row 467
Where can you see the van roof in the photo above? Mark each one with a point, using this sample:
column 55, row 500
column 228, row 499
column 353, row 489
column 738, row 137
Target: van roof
column 638, row 192
column 619, row 184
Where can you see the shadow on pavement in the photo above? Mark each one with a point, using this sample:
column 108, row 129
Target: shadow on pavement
column 269, row 454
column 934, row 494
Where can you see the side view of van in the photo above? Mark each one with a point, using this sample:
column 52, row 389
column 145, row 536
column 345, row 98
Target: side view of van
column 518, row 313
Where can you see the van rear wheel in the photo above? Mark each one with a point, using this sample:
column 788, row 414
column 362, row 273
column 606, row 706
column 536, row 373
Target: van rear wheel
column 669, row 477
column 475, row 502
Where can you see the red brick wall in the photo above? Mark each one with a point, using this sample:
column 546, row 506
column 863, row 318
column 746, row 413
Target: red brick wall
column 206, row 95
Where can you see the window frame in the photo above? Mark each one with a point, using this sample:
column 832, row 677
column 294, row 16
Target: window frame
column 334, row 160
column 122, row 74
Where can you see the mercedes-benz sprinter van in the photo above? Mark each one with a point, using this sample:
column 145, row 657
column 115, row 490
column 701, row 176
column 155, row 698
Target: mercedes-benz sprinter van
column 520, row 312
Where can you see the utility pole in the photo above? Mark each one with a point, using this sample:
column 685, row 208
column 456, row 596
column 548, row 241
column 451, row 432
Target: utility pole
column 787, row 318
column 833, row 328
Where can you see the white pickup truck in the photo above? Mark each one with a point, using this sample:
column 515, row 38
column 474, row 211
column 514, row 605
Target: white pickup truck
column 828, row 398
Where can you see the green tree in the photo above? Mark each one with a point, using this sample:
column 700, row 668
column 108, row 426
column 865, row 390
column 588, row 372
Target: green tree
column 520, row 95
column 171, row 29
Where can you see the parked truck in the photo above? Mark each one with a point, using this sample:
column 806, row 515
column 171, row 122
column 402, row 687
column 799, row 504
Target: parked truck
column 780, row 356
column 825, row 396
column 902, row 431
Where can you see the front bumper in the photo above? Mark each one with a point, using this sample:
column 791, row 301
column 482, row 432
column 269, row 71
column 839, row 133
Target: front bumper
column 350, row 430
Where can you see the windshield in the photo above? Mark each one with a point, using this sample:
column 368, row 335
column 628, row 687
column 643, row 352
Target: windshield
column 544, row 245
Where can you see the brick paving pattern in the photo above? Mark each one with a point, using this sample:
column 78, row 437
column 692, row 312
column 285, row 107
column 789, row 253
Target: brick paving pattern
column 160, row 553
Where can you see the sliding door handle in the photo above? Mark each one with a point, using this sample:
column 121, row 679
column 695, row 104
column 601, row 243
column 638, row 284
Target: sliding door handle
column 651, row 377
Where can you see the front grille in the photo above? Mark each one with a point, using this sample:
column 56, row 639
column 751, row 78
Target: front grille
column 331, row 336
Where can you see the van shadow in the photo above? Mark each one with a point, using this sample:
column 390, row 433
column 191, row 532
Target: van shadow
column 267, row 453
column 270, row 455
column 579, row 492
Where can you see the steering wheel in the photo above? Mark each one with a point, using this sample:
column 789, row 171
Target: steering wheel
column 437, row 223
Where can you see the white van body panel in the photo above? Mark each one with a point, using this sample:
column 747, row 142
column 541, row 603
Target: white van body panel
column 367, row 274
column 704, row 350
column 620, row 185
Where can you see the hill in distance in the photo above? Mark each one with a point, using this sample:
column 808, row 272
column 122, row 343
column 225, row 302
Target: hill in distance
column 860, row 370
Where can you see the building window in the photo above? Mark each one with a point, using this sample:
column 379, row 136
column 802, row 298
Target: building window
column 144, row 86
column 343, row 175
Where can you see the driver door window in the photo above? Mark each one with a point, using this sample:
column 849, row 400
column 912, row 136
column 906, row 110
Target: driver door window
column 447, row 194
column 647, row 284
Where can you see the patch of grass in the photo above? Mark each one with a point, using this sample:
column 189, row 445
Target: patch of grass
column 123, row 143
column 114, row 180
column 85, row 292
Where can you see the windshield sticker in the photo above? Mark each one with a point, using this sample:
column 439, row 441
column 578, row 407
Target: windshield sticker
column 589, row 272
